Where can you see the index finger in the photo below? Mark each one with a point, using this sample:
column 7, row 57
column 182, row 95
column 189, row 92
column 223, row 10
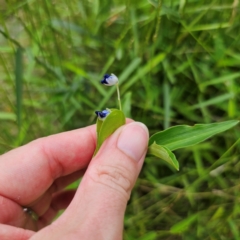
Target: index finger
column 28, row 171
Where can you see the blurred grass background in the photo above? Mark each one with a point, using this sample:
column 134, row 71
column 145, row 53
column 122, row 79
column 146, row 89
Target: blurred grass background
column 178, row 62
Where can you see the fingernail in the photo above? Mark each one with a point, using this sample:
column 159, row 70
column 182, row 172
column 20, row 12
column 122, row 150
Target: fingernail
column 133, row 140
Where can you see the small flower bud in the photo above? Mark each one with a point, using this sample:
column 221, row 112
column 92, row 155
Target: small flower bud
column 109, row 80
column 102, row 114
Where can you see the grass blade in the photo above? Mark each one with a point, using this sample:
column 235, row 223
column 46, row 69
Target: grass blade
column 19, row 84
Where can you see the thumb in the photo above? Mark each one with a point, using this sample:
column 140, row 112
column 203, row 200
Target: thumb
column 102, row 196
column 119, row 161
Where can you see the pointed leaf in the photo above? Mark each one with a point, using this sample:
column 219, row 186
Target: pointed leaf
column 183, row 136
column 164, row 153
column 107, row 127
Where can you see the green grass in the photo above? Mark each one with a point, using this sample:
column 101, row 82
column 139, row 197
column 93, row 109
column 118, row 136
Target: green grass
column 178, row 63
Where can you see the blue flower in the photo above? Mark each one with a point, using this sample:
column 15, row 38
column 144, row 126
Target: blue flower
column 102, row 114
column 109, row 80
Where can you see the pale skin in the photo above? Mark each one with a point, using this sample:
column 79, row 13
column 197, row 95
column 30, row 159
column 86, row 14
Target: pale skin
column 34, row 176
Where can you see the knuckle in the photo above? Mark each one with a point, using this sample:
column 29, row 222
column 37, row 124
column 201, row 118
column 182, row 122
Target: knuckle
column 117, row 178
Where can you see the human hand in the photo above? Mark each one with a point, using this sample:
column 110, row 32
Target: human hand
column 35, row 175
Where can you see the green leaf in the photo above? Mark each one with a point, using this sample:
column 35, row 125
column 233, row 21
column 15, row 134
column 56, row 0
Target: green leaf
column 183, row 136
column 108, row 126
column 183, row 225
column 164, row 153
column 149, row 236
column 99, row 125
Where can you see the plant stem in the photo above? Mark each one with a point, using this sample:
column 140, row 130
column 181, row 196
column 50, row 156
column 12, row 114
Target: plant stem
column 119, row 99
